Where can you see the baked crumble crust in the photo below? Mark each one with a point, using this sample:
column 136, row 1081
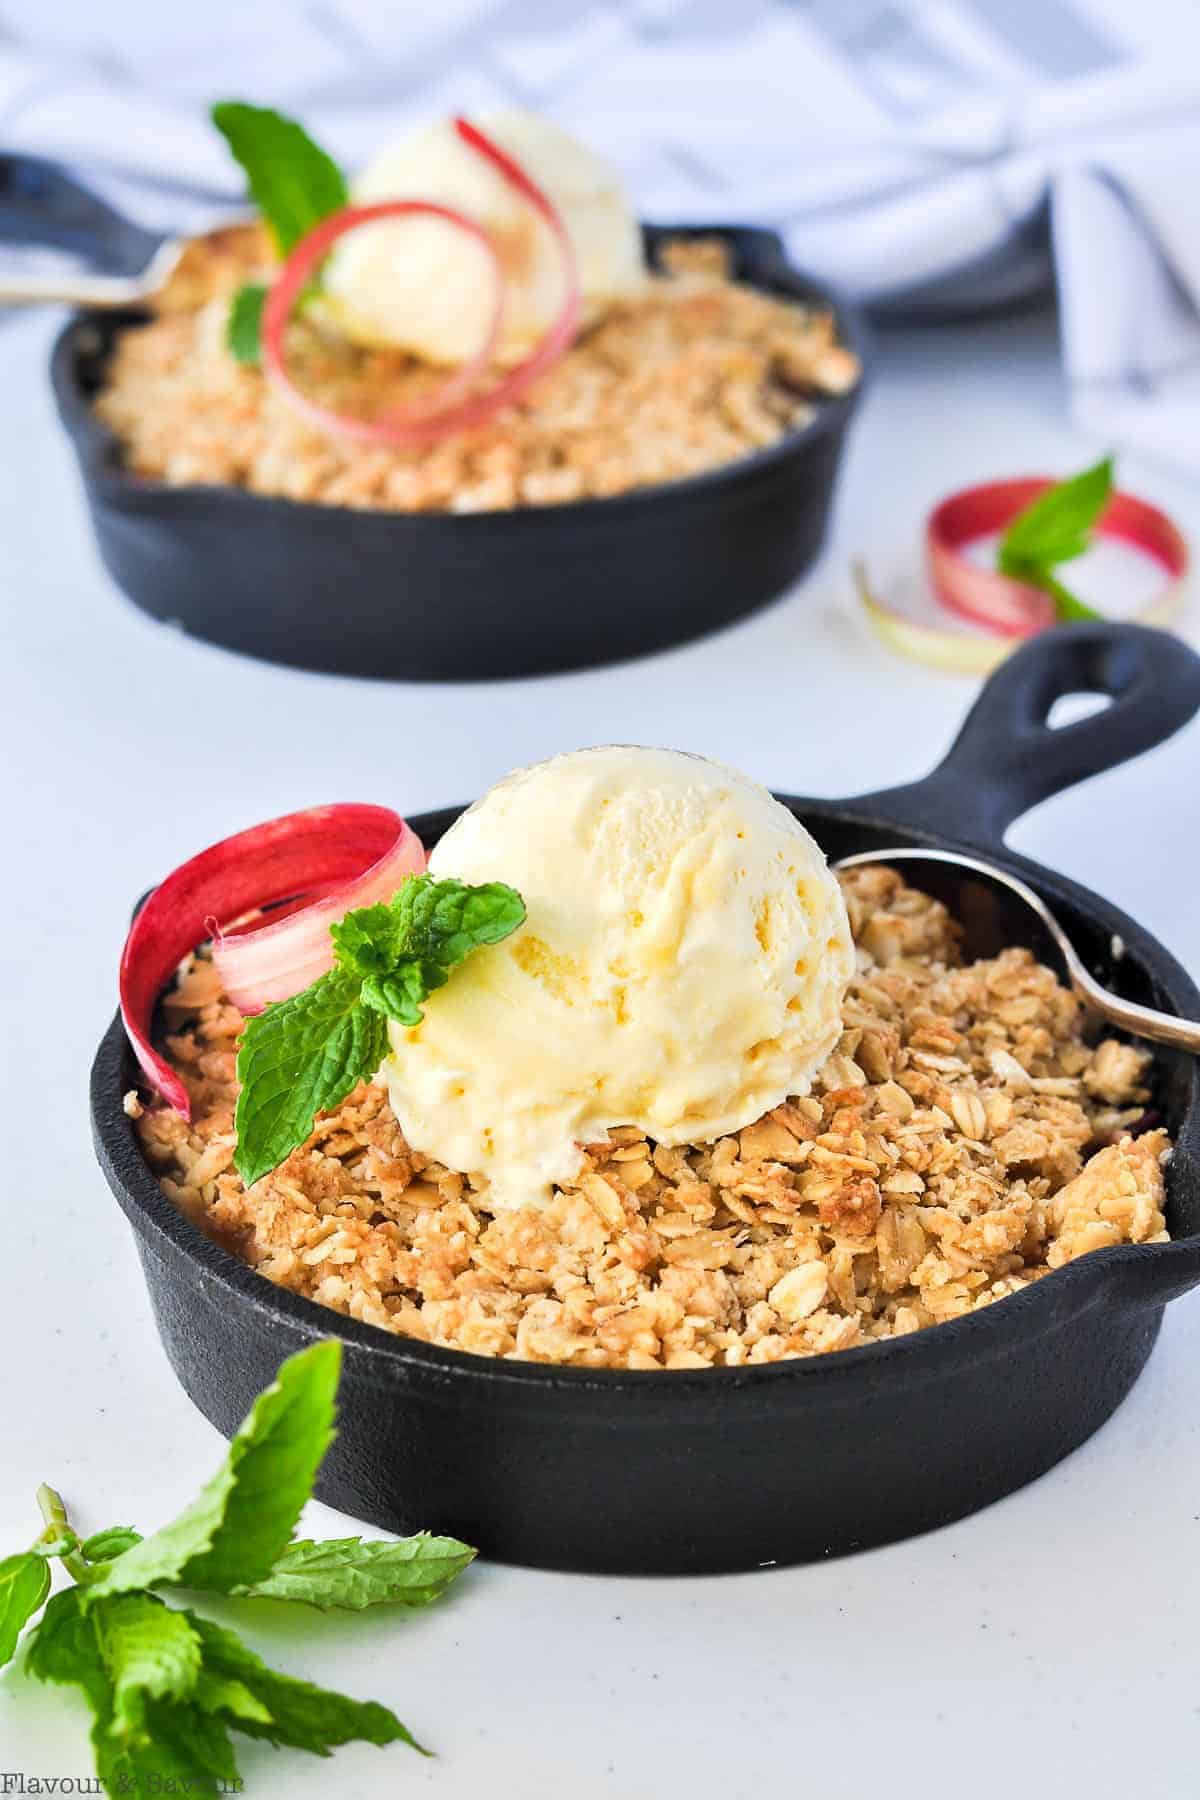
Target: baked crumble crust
column 964, row 1139
column 690, row 374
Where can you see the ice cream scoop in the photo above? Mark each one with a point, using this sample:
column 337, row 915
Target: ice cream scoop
column 681, row 969
column 421, row 285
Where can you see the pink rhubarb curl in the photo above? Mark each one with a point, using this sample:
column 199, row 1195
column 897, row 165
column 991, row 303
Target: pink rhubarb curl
column 455, row 407
column 311, row 867
column 1010, row 608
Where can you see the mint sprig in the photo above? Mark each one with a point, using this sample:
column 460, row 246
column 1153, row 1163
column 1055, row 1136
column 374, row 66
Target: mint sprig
column 293, row 182
column 166, row 1687
column 242, row 1520
column 304, row 1055
column 1055, row 528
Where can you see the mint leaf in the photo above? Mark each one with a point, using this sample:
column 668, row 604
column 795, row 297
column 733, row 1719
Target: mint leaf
column 305, row 1054
column 1058, row 524
column 24, row 1584
column 102, row 1546
column 301, row 1715
column 181, row 1749
column 399, row 995
column 293, row 182
column 443, row 921
column 243, row 327
column 228, row 1697
column 296, row 1059
column 64, row 1648
column 369, row 941
column 427, row 920
column 1056, row 528
column 346, row 1573
column 242, row 1520
column 175, row 1742
column 406, row 950
column 150, row 1652
column 1066, row 605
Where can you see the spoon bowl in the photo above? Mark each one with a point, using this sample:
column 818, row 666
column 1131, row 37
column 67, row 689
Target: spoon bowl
column 985, row 909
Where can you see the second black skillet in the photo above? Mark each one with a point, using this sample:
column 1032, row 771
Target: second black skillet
column 434, row 596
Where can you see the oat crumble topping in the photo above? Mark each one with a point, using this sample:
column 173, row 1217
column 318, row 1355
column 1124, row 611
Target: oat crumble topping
column 693, row 373
column 965, row 1138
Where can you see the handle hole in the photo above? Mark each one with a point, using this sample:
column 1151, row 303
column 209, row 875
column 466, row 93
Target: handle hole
column 1069, row 709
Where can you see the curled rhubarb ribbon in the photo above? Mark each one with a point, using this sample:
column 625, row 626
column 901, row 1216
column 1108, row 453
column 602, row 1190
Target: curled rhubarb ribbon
column 1010, row 610
column 311, row 867
column 455, row 407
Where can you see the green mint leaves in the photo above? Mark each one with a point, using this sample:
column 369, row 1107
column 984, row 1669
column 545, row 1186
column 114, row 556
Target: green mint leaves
column 1056, row 528
column 243, row 1519
column 102, row 1546
column 243, row 328
column 150, row 1652
column 405, row 950
column 166, row 1687
column 24, row 1584
column 293, row 182
column 348, row 1574
column 260, row 1702
column 297, row 1058
column 304, row 1055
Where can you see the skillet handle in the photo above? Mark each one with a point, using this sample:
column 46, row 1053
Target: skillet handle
column 1157, row 1274
column 1006, row 756
column 43, row 207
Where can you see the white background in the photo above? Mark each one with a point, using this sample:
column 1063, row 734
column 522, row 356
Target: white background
column 1046, row 1646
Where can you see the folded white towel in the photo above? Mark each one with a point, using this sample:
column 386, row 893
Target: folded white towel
column 928, row 155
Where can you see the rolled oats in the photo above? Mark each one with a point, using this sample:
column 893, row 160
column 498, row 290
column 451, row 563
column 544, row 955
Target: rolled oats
column 800, row 1292
column 693, row 372
column 965, row 1138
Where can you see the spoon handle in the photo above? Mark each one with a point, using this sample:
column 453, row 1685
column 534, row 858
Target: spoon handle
column 1142, row 1021
column 43, row 207
column 92, row 291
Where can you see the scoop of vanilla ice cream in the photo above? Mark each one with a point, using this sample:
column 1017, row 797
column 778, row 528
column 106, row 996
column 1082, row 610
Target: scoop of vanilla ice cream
column 681, row 968
column 423, row 285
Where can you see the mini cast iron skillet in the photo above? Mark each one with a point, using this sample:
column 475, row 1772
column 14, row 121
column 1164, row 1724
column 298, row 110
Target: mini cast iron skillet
column 433, row 597
column 700, row 1471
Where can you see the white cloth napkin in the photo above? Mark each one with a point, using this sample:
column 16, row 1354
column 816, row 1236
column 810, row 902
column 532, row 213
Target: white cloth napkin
column 933, row 156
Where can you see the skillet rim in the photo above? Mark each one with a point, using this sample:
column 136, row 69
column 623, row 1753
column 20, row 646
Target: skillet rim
column 384, row 1357
column 98, row 450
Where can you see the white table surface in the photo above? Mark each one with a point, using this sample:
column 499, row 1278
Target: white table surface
column 1048, row 1645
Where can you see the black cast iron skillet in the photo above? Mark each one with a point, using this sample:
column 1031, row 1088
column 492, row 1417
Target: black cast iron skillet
column 438, row 596
column 689, row 1472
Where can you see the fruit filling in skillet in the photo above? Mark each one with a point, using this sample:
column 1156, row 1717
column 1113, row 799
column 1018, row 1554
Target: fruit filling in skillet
column 471, row 326
column 626, row 1078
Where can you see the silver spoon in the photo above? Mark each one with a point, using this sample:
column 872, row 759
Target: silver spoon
column 43, row 207
column 74, row 287
column 1142, row 1021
